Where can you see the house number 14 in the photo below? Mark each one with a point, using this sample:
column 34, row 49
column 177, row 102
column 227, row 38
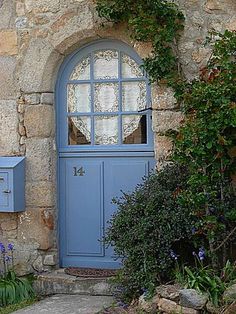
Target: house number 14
column 78, row 172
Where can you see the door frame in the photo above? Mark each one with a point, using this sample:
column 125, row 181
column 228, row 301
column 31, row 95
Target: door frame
column 62, row 151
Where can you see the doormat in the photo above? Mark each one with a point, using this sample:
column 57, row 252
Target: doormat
column 90, row 272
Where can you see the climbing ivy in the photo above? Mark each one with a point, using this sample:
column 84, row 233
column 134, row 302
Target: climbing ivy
column 155, row 21
column 206, row 143
column 206, row 137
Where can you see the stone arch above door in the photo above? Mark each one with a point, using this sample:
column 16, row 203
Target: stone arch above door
column 41, row 52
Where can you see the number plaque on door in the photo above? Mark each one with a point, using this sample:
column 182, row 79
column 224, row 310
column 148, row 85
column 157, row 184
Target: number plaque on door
column 79, row 172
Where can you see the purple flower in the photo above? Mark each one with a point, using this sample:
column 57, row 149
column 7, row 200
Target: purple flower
column 2, row 248
column 122, row 304
column 193, row 230
column 10, row 247
column 201, row 254
column 173, row 255
column 7, row 258
column 194, row 253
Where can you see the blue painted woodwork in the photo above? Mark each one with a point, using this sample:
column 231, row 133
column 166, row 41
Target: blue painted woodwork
column 91, row 175
column 12, row 184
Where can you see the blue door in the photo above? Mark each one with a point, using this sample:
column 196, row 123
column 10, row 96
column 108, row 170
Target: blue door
column 105, row 145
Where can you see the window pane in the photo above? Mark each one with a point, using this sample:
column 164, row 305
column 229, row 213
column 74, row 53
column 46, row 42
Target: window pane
column 79, row 130
column 106, row 130
column 130, row 69
column 106, row 64
column 82, row 70
column 134, row 129
column 134, row 96
column 79, row 97
column 106, row 97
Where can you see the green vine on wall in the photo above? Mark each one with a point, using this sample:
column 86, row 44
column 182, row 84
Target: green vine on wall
column 206, row 137
column 155, row 21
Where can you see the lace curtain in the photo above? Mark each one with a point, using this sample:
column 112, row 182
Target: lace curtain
column 106, row 96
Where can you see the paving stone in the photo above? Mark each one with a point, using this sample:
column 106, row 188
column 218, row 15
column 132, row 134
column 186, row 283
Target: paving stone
column 69, row 304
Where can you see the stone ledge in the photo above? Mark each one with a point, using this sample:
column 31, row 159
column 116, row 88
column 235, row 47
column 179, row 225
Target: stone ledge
column 59, row 282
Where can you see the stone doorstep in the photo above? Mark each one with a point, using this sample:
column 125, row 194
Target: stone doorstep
column 57, row 282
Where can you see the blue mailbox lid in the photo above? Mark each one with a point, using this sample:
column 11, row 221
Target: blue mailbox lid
column 10, row 162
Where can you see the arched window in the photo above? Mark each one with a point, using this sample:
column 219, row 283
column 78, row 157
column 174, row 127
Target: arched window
column 107, row 96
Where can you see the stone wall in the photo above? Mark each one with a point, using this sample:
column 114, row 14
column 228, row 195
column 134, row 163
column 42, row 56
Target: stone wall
column 35, row 37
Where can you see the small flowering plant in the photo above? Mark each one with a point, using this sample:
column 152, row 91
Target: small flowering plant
column 13, row 289
column 7, row 258
column 200, row 256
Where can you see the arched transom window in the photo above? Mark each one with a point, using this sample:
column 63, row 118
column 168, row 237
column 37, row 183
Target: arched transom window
column 107, row 96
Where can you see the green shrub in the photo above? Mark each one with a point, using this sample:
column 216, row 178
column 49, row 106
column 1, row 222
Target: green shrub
column 148, row 224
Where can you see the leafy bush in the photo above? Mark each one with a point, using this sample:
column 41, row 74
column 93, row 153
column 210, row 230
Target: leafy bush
column 148, row 224
column 12, row 288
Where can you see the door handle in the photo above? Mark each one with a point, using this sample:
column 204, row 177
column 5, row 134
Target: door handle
column 6, row 191
column 146, row 109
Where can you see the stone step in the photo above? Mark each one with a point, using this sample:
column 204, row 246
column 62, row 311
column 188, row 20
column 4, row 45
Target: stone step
column 57, row 282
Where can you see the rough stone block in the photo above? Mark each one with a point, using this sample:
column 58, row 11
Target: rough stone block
column 191, row 298
column 44, row 60
column 231, row 309
column 32, row 99
column 39, row 121
column 47, row 98
column 41, row 20
column 32, row 227
column 163, row 147
column 170, row 292
column 164, row 121
column 75, row 28
column 21, row 22
column 201, row 55
column 39, row 153
column 42, row 6
column 7, row 83
column 21, row 130
column 7, row 13
column 50, row 259
column 9, row 139
column 170, row 307
column 20, row 8
column 8, row 225
column 230, row 294
column 212, row 5
column 231, row 25
column 8, row 42
column 163, row 97
column 38, row 264
column 25, row 254
column 148, row 306
column 40, row 194
column 143, row 49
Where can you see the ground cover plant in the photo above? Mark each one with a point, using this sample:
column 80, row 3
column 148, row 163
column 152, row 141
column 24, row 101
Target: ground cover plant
column 143, row 229
column 13, row 289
